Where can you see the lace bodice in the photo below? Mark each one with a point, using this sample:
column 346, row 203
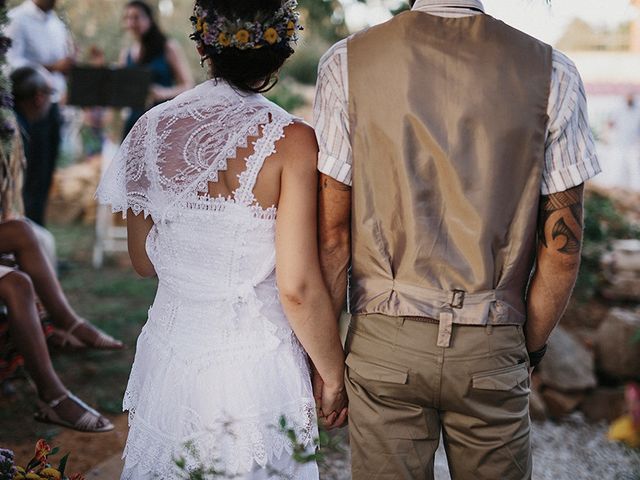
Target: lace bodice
column 176, row 149
column 202, row 245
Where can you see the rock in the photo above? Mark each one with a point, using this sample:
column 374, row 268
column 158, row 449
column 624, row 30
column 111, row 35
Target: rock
column 537, row 407
column 560, row 404
column 616, row 345
column 568, row 366
column 621, row 268
column 586, row 336
column 604, row 404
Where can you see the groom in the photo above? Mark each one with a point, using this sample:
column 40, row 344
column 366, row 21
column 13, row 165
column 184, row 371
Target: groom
column 453, row 152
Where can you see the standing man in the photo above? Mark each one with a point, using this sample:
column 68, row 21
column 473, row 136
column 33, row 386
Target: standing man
column 40, row 38
column 453, row 149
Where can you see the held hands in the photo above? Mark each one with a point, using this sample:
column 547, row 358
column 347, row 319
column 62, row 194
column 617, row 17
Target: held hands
column 331, row 402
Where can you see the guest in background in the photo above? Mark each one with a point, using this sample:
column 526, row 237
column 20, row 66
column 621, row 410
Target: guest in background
column 624, row 141
column 19, row 286
column 153, row 50
column 40, row 38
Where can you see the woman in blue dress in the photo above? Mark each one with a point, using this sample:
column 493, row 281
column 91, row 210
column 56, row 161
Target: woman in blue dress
column 151, row 49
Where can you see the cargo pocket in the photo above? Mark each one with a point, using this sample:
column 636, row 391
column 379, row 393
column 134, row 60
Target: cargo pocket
column 502, row 379
column 392, row 404
column 373, row 371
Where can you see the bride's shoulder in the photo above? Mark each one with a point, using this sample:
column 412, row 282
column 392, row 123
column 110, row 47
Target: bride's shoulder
column 298, row 144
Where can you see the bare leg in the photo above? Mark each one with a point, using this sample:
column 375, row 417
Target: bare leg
column 16, row 291
column 17, row 237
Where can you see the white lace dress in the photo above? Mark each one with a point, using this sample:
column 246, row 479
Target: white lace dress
column 217, row 364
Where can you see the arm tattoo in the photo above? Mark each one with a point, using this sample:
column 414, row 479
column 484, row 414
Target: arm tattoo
column 572, row 246
column 572, row 200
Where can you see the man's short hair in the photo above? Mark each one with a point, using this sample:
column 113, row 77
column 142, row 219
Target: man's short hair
column 27, row 82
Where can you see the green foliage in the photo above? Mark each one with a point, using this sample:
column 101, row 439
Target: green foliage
column 196, row 469
column 603, row 223
column 285, row 97
column 324, row 19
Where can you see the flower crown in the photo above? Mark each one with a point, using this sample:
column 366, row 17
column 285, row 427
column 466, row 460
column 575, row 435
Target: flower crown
column 280, row 28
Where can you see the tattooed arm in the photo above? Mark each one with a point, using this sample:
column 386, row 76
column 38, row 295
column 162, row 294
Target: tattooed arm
column 557, row 264
column 334, row 232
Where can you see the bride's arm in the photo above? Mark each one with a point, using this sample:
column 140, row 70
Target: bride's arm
column 138, row 229
column 303, row 293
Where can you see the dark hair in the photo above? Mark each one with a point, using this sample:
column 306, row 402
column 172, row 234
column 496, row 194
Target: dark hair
column 27, row 82
column 251, row 70
column 154, row 41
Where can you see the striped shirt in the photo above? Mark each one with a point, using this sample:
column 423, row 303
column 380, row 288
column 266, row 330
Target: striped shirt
column 570, row 152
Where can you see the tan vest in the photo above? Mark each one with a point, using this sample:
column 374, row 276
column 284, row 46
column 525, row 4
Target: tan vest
column 448, row 123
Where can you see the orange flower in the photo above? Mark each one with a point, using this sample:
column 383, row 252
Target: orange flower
column 200, row 24
column 224, row 40
column 242, row 36
column 42, row 450
column 291, row 28
column 271, row 35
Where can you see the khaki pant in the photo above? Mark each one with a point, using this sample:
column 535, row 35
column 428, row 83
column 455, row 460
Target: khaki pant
column 404, row 391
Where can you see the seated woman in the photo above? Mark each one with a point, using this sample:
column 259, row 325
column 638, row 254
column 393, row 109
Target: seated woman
column 31, row 276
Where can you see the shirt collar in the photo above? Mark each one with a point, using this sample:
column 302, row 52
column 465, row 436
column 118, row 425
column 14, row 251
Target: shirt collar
column 34, row 10
column 426, row 5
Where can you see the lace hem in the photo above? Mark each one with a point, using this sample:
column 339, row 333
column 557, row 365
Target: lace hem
column 231, row 446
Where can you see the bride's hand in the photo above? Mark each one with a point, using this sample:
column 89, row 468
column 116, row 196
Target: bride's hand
column 333, row 406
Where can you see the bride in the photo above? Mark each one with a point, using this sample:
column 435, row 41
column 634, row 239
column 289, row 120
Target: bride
column 219, row 190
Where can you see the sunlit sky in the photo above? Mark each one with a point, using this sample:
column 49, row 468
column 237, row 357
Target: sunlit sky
column 532, row 16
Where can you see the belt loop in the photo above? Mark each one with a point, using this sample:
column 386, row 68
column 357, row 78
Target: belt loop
column 444, row 329
column 489, row 328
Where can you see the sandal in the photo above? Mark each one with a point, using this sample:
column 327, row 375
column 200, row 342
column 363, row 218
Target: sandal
column 90, row 421
column 66, row 339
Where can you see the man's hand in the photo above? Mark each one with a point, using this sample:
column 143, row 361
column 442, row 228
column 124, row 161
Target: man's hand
column 330, row 415
column 333, row 411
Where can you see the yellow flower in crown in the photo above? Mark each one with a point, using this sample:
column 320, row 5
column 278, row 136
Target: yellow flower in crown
column 271, row 35
column 242, row 36
column 205, row 28
column 291, row 28
column 200, row 24
column 224, row 39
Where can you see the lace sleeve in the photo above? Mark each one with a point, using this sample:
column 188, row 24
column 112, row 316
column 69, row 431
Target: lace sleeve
column 128, row 182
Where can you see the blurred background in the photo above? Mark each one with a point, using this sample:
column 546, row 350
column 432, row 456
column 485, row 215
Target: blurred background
column 585, row 398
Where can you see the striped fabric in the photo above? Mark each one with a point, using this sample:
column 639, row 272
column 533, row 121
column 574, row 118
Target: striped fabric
column 570, row 156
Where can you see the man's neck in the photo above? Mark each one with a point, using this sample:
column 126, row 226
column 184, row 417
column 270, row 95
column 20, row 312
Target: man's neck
column 471, row 5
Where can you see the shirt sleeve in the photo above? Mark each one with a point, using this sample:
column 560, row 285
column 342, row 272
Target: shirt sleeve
column 570, row 154
column 331, row 115
column 16, row 55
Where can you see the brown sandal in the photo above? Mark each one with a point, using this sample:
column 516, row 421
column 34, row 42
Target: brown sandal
column 90, row 421
column 66, row 339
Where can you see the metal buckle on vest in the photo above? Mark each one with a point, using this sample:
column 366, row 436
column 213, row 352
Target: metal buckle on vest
column 457, row 299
